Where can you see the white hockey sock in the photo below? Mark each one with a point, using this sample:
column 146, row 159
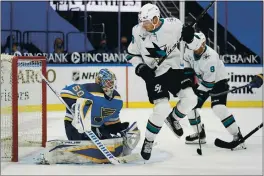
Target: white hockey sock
column 160, row 111
column 195, row 120
column 188, row 101
column 226, row 118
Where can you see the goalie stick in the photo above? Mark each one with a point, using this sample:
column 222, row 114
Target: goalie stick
column 230, row 145
column 112, row 159
column 175, row 45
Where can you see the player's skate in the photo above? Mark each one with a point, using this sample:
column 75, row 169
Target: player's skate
column 194, row 138
column 239, row 138
column 174, row 125
column 146, row 149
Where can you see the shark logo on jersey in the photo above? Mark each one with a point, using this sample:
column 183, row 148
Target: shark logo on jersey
column 206, row 56
column 157, row 52
column 142, row 37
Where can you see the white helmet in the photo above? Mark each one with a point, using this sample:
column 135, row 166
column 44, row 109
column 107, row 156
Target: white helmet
column 148, row 12
column 198, row 40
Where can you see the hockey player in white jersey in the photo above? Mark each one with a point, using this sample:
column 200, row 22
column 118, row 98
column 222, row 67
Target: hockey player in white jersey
column 212, row 77
column 154, row 38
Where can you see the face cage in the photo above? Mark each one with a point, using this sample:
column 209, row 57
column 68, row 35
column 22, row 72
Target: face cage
column 109, row 86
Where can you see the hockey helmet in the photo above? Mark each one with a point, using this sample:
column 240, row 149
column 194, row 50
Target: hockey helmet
column 107, row 80
column 199, row 39
column 148, row 12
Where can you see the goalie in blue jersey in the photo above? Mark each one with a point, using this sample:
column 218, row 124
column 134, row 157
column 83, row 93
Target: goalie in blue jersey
column 99, row 105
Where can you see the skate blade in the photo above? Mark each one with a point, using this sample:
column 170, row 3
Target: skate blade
column 203, row 141
column 168, row 124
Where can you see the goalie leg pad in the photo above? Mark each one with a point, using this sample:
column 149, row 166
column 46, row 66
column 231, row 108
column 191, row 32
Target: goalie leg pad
column 80, row 152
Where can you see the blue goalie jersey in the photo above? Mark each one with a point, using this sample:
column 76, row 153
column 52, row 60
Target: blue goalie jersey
column 103, row 110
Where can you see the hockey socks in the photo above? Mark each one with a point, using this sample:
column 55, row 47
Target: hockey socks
column 195, row 122
column 152, row 131
column 230, row 124
column 226, row 118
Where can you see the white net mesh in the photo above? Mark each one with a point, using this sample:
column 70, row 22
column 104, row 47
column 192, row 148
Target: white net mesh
column 29, row 105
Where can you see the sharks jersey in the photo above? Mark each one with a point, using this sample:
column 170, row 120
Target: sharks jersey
column 103, row 111
column 208, row 67
column 150, row 46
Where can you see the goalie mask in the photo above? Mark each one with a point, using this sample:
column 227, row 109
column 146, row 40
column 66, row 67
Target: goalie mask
column 107, row 80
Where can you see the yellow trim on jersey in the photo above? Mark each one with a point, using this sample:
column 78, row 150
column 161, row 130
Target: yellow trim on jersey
column 64, row 95
column 117, row 97
column 68, row 119
column 111, row 123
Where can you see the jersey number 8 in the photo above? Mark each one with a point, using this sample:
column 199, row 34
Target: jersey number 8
column 212, row 69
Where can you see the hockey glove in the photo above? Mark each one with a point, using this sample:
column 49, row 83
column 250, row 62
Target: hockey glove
column 188, row 77
column 144, row 71
column 257, row 81
column 202, row 96
column 187, row 34
column 189, row 73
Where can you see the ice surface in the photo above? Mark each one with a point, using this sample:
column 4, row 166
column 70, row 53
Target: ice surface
column 171, row 156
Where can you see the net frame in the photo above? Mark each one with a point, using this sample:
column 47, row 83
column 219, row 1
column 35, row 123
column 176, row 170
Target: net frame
column 14, row 85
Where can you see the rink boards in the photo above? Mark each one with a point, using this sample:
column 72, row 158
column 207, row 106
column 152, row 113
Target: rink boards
column 131, row 87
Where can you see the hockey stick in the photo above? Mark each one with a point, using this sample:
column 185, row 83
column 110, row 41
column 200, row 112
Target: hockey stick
column 94, row 138
column 199, row 150
column 230, row 145
column 175, row 45
column 228, row 91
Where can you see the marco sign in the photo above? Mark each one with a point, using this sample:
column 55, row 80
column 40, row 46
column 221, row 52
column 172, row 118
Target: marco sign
column 97, row 5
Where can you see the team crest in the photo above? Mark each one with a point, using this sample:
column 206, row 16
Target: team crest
column 105, row 112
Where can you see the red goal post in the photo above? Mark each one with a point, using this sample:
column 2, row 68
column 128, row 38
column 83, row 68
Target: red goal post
column 26, row 117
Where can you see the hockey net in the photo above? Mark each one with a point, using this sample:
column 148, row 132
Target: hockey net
column 23, row 105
